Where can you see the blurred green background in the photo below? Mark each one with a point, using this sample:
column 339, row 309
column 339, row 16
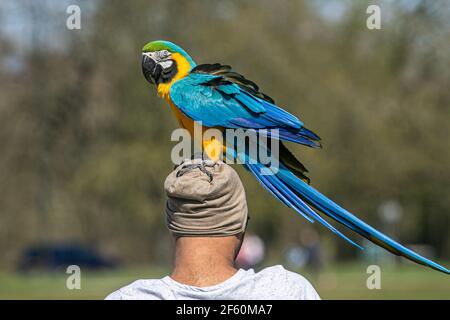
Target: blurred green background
column 85, row 143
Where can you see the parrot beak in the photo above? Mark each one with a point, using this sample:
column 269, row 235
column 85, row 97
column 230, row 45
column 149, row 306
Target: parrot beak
column 149, row 68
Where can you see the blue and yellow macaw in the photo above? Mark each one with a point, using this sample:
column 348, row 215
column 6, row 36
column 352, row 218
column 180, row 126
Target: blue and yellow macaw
column 221, row 98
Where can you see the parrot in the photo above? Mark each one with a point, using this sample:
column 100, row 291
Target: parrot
column 218, row 97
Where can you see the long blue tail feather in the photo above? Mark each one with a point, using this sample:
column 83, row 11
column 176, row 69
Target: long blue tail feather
column 276, row 187
column 300, row 196
column 294, row 202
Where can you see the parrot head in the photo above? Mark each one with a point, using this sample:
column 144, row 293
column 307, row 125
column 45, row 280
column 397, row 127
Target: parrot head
column 164, row 62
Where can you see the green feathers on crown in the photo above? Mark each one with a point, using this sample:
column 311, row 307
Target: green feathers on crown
column 169, row 46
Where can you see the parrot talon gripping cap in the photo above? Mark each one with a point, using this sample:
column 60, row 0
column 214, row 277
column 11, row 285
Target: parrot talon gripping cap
column 224, row 99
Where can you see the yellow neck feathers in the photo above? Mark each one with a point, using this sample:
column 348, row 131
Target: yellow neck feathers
column 183, row 68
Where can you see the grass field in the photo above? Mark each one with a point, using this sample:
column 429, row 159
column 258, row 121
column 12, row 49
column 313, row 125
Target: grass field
column 337, row 282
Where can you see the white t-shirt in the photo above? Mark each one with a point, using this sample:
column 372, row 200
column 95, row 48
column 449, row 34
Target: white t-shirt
column 273, row 283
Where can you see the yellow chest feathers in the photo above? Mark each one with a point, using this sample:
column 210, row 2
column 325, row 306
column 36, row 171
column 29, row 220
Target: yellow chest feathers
column 183, row 68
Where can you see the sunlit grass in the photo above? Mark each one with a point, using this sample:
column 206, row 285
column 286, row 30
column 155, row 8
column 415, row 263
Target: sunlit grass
column 402, row 282
column 345, row 281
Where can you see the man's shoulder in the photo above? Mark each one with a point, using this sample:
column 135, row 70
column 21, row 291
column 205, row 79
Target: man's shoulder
column 270, row 283
column 292, row 283
column 139, row 289
column 280, row 271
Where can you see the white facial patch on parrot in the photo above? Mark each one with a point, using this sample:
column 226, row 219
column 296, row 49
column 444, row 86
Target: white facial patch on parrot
column 166, row 64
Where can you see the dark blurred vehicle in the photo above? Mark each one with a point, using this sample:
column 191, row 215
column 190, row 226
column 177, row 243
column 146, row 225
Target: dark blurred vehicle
column 59, row 257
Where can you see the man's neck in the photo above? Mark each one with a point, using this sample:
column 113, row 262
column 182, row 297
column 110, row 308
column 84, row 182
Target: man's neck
column 202, row 265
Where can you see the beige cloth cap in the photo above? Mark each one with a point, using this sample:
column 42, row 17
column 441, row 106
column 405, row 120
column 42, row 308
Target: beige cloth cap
column 205, row 198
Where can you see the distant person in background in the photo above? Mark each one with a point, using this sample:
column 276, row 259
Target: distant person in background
column 251, row 253
column 310, row 241
column 308, row 254
column 206, row 212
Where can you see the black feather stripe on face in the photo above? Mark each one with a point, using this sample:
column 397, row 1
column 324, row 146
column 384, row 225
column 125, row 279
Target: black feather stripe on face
column 167, row 74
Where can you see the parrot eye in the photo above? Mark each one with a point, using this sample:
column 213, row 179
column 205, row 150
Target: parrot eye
column 163, row 54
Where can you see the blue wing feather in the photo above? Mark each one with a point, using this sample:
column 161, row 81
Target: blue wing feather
column 228, row 105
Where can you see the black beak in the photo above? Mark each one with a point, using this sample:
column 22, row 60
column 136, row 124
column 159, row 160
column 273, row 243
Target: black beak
column 149, row 68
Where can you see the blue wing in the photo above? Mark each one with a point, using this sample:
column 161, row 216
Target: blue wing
column 215, row 101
